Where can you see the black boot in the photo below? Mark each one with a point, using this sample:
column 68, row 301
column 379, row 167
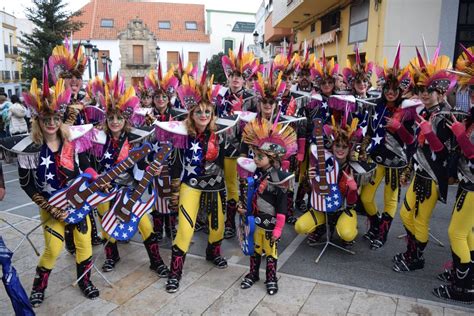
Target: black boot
column 69, row 239
column 85, row 284
column 213, row 253
column 40, row 284
column 316, row 237
column 461, row 288
column 412, row 261
column 176, row 269
column 253, row 275
column 111, row 256
column 411, row 247
column 272, row 281
column 170, row 226
column 373, row 231
column 229, row 231
column 96, row 240
column 384, row 227
column 153, row 250
column 291, row 218
column 158, row 224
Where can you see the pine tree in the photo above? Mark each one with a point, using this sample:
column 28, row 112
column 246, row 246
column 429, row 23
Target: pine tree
column 215, row 67
column 52, row 23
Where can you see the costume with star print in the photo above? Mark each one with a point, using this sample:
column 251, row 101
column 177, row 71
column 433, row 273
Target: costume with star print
column 197, row 171
column 114, row 152
column 387, row 149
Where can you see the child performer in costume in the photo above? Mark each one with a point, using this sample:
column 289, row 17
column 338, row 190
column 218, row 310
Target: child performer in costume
column 460, row 279
column 161, row 90
column 387, row 149
column 197, row 173
column 235, row 97
column 340, row 202
column 46, row 170
column 430, row 183
column 270, row 143
column 112, row 147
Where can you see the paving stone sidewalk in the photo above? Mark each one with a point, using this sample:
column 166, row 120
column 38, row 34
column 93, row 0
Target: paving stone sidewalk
column 204, row 289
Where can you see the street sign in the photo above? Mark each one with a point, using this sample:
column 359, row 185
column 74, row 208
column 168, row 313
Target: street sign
column 244, row 27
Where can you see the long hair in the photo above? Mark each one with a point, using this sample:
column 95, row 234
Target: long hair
column 189, row 122
column 37, row 134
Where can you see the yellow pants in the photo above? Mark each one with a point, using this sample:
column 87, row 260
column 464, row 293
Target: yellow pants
column 231, row 180
column 53, row 231
column 189, row 199
column 346, row 225
column 461, row 228
column 417, row 221
column 368, row 191
column 145, row 227
column 262, row 244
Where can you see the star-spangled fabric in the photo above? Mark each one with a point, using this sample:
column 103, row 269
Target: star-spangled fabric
column 111, row 153
column 47, row 173
column 194, row 159
column 333, row 201
column 377, row 125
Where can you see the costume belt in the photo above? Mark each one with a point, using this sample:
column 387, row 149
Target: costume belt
column 211, row 183
column 265, row 221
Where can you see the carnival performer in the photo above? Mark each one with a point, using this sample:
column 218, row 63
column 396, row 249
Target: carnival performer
column 430, row 183
column 112, row 146
column 323, row 74
column 460, row 279
column 161, row 89
column 235, row 97
column 390, row 128
column 340, row 202
column 197, row 173
column 70, row 64
column 46, row 166
column 270, row 144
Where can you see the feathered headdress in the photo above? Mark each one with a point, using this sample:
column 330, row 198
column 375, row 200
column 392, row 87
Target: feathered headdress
column 192, row 94
column 243, row 63
column 394, row 76
column 465, row 64
column 95, row 88
column 349, row 132
column 433, row 74
column 269, row 89
column 303, row 63
column 275, row 140
column 47, row 101
column 179, row 71
column 357, row 71
column 118, row 99
column 64, row 63
column 324, row 70
column 283, row 64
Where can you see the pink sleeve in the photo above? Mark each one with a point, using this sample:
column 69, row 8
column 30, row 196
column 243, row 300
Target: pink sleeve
column 280, row 223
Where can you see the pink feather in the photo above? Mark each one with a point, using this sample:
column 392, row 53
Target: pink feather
column 396, row 62
column 194, row 71
column 436, row 53
column 259, row 89
column 420, row 59
column 203, row 75
column 160, row 72
column 468, row 53
column 63, row 98
column 76, row 52
column 358, row 62
column 227, row 65
column 31, row 102
column 324, row 57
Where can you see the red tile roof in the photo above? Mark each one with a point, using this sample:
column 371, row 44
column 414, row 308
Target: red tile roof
column 122, row 11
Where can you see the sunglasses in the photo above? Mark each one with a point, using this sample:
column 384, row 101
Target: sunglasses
column 424, row 89
column 53, row 120
column 206, row 113
column 113, row 117
column 161, row 96
column 359, row 81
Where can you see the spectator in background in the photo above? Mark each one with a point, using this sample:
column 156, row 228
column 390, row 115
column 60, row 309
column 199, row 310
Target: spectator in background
column 463, row 101
column 17, row 117
column 4, row 115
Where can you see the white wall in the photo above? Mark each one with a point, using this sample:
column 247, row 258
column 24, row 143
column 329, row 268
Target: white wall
column 408, row 25
column 185, row 48
column 220, row 28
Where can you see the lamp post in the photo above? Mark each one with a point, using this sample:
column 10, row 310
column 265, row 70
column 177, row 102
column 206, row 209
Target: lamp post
column 255, row 37
column 95, row 55
column 88, row 48
column 158, row 49
column 104, row 63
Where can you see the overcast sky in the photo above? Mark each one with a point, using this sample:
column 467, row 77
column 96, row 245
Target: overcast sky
column 17, row 7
